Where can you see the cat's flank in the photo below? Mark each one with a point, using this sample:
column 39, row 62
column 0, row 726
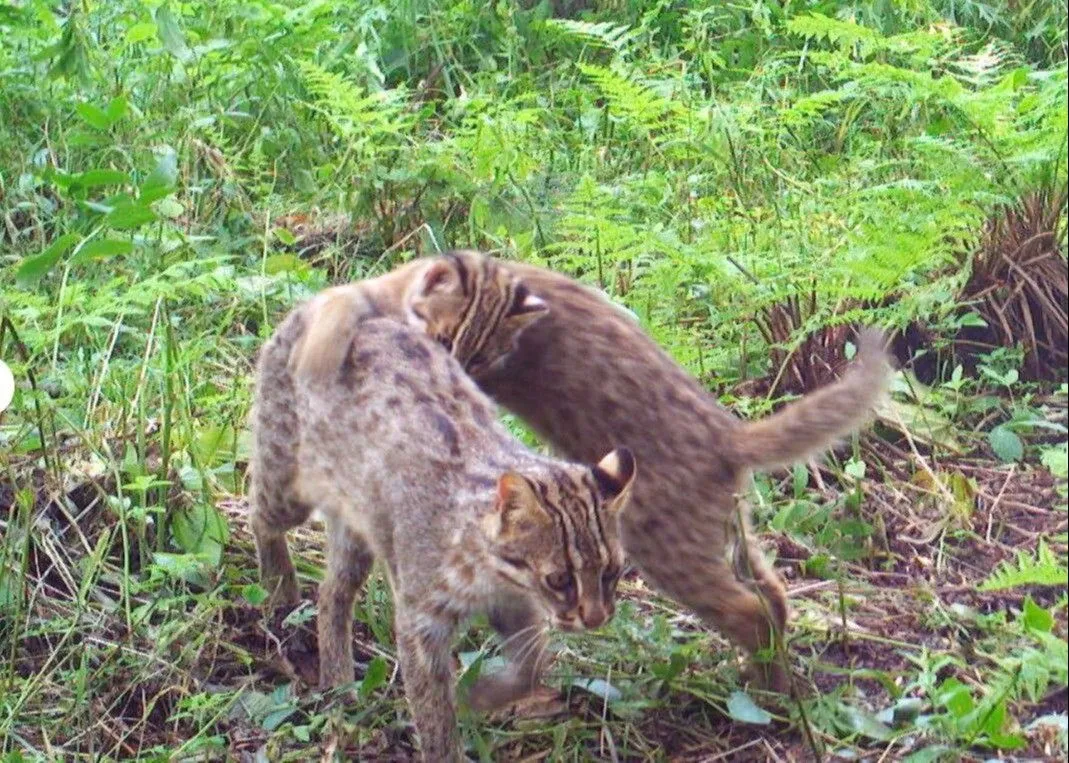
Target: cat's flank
column 587, row 375
column 463, row 299
column 407, row 461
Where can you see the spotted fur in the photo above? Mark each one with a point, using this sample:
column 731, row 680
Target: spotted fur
column 406, row 459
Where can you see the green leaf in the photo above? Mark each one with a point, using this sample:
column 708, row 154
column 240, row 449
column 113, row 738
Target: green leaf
column 94, row 116
column 146, row 30
column 116, row 109
column 163, row 178
column 1056, row 459
column 254, row 594
column 33, row 269
column 931, row 754
column 1035, row 617
column 169, row 208
column 174, row 42
column 955, row 697
column 285, row 236
column 128, row 216
column 200, row 529
column 742, row 708
column 95, row 178
column 104, row 247
column 374, row 677
column 276, row 718
column 1007, row 446
column 282, row 263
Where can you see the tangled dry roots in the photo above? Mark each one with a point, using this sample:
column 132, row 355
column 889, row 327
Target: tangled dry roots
column 1020, row 285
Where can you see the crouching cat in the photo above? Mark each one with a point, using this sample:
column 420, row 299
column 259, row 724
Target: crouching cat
column 587, row 375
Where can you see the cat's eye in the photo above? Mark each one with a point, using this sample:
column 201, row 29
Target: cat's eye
column 559, row 581
column 519, row 564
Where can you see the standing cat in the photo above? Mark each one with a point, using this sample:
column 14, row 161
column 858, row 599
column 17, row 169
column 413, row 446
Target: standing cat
column 587, row 376
column 464, row 299
column 405, row 457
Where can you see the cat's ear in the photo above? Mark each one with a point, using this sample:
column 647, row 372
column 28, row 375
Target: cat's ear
column 615, row 474
column 526, row 310
column 526, row 303
column 438, row 279
column 517, row 509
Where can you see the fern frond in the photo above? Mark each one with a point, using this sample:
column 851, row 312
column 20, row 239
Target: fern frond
column 602, row 34
column 1042, row 569
column 352, row 112
column 634, row 101
column 842, row 34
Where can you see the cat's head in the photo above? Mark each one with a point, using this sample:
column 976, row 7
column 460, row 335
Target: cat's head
column 473, row 306
column 559, row 537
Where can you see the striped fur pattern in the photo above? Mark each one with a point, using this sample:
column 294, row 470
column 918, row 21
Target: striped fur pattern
column 407, row 461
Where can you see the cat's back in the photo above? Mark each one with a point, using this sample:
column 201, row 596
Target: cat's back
column 400, row 394
column 588, row 377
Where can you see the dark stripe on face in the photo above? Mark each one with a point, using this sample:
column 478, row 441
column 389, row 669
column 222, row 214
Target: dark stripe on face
column 558, row 517
column 593, row 508
column 462, row 271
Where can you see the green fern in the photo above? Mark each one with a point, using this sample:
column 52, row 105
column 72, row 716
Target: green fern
column 360, row 117
column 842, row 34
column 602, row 34
column 1042, row 569
column 636, row 102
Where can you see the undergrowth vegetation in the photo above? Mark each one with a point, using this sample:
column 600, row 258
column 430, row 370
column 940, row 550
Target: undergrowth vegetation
column 751, row 180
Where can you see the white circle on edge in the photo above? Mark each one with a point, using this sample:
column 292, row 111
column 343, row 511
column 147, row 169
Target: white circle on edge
column 7, row 386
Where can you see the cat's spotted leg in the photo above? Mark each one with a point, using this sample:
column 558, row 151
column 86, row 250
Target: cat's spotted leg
column 349, row 560
column 423, row 650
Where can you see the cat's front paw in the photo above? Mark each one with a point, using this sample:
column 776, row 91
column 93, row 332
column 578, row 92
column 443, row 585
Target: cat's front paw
column 502, row 694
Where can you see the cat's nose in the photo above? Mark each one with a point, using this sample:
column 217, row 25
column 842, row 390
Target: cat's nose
column 593, row 616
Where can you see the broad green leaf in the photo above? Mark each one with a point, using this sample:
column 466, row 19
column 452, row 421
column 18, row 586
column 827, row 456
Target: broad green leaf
column 375, row 676
column 285, row 236
column 116, row 109
column 742, row 708
column 93, row 115
column 200, row 529
column 32, row 269
column 1007, row 446
column 129, row 216
column 276, row 718
column 169, row 208
column 171, row 35
column 190, row 568
column 923, row 422
column 214, row 445
column 282, row 263
column 1056, row 459
column 95, row 178
column 104, row 247
column 146, row 30
column 1035, row 617
column 955, row 697
column 866, row 724
column 161, row 181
